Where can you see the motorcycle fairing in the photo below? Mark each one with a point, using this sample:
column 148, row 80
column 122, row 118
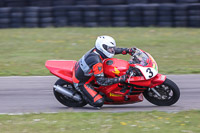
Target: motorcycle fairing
column 115, row 96
column 61, row 68
column 148, row 72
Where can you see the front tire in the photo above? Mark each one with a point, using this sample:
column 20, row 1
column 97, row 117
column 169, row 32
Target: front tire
column 64, row 99
column 169, row 92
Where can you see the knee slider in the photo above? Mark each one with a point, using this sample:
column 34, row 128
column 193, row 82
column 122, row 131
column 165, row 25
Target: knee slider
column 99, row 103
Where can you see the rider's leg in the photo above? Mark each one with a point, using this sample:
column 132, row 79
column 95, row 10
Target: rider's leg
column 92, row 96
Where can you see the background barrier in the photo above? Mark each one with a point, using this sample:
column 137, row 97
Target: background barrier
column 92, row 13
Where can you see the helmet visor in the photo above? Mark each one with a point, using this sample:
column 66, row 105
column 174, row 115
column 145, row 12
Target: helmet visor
column 109, row 49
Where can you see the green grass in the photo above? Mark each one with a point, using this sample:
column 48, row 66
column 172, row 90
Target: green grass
column 24, row 51
column 137, row 122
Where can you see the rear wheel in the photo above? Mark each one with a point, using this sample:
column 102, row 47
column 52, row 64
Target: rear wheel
column 64, row 99
column 168, row 91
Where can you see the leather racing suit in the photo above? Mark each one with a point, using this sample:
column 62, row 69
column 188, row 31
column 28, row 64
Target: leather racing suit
column 87, row 69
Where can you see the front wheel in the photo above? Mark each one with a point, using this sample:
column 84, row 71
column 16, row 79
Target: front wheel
column 64, row 99
column 167, row 94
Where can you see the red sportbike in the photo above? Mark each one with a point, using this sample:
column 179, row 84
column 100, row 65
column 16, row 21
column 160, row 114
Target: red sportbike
column 143, row 80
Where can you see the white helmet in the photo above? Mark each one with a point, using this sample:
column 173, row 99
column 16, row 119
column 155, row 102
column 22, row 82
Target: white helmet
column 106, row 45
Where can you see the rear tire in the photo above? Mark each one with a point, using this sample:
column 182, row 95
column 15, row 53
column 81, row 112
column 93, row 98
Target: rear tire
column 64, row 99
column 169, row 92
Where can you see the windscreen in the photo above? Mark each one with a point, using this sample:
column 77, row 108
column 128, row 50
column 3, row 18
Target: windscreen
column 139, row 57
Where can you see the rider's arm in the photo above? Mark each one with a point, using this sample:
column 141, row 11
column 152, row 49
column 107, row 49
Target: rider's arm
column 101, row 80
column 121, row 50
column 124, row 51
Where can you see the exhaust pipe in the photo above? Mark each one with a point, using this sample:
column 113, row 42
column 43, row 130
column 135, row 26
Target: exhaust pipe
column 67, row 93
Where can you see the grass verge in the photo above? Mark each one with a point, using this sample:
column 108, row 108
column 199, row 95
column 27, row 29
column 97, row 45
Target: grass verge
column 137, row 122
column 24, row 51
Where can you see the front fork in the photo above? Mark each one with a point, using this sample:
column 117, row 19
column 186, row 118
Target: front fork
column 156, row 92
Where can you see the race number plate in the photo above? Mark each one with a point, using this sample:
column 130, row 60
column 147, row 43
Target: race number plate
column 148, row 72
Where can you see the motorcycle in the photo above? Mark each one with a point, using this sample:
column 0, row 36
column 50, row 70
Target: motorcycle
column 143, row 81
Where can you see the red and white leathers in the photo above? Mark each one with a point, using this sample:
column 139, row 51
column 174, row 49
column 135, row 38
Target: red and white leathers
column 90, row 67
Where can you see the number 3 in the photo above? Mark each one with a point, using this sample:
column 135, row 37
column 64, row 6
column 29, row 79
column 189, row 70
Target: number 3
column 150, row 72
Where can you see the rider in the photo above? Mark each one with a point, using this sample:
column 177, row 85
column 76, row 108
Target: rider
column 91, row 64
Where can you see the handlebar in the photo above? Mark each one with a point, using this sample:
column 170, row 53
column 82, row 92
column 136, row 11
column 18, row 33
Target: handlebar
column 132, row 71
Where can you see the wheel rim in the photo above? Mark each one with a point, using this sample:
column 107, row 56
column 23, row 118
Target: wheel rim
column 166, row 93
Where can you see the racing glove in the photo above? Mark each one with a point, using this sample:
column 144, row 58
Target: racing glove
column 122, row 79
column 131, row 51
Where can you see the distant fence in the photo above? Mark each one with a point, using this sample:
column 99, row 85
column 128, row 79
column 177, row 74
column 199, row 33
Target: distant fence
column 117, row 13
column 43, row 3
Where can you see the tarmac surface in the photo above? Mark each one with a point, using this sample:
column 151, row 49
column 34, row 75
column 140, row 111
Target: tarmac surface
column 33, row 94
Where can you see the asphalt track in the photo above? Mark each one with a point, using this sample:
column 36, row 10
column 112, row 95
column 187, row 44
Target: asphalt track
column 34, row 95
